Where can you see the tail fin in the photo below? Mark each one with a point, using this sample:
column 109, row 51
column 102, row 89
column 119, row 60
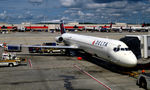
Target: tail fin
column 62, row 29
column 111, row 25
column 143, row 25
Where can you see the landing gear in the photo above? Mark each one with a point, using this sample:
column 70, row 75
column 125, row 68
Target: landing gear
column 70, row 52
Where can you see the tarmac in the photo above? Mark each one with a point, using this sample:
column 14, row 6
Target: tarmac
column 57, row 72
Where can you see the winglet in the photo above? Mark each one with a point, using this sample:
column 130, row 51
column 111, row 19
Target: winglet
column 62, row 29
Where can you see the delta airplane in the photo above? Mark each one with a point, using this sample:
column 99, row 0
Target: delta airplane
column 143, row 27
column 113, row 51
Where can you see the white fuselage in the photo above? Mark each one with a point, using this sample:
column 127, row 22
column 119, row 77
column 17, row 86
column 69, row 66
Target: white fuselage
column 111, row 50
column 139, row 28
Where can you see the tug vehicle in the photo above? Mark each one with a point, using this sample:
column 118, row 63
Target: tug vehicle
column 10, row 59
column 144, row 81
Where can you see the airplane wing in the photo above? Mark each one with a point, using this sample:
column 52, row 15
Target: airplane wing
column 40, row 46
column 59, row 47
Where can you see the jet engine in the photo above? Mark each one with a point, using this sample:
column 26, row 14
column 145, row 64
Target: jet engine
column 59, row 39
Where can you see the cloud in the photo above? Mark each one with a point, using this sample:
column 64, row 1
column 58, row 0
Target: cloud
column 99, row 11
column 80, row 13
column 135, row 12
column 148, row 9
column 104, row 9
column 96, row 5
column 64, row 18
column 108, row 1
column 117, row 4
column 36, row 2
column 75, row 3
column 20, row 17
column 71, row 10
column 116, row 14
column 3, row 15
column 51, row 21
column 89, row 14
column 68, row 3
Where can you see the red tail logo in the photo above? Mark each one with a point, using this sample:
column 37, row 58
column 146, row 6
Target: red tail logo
column 62, row 29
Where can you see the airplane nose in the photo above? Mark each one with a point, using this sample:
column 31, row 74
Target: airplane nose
column 130, row 61
column 126, row 60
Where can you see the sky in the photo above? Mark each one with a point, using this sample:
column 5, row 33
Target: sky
column 94, row 11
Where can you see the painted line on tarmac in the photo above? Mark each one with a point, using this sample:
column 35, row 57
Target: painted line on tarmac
column 30, row 63
column 107, row 87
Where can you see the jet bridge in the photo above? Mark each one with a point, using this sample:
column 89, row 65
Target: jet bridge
column 139, row 44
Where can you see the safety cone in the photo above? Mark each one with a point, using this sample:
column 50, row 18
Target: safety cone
column 143, row 71
column 79, row 58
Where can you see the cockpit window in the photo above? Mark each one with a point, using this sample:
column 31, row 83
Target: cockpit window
column 127, row 49
column 121, row 49
column 116, row 49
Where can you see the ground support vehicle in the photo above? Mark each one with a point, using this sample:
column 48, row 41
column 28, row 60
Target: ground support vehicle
column 46, row 50
column 144, row 81
column 34, row 49
column 52, row 50
column 10, row 59
column 11, row 48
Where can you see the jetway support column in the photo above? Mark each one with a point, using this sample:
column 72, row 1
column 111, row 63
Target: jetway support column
column 145, row 51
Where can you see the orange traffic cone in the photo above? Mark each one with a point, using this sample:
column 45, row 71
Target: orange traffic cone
column 143, row 71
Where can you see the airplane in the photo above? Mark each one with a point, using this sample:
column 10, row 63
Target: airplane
column 143, row 27
column 113, row 51
column 120, row 28
column 106, row 28
column 113, row 28
column 110, row 50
